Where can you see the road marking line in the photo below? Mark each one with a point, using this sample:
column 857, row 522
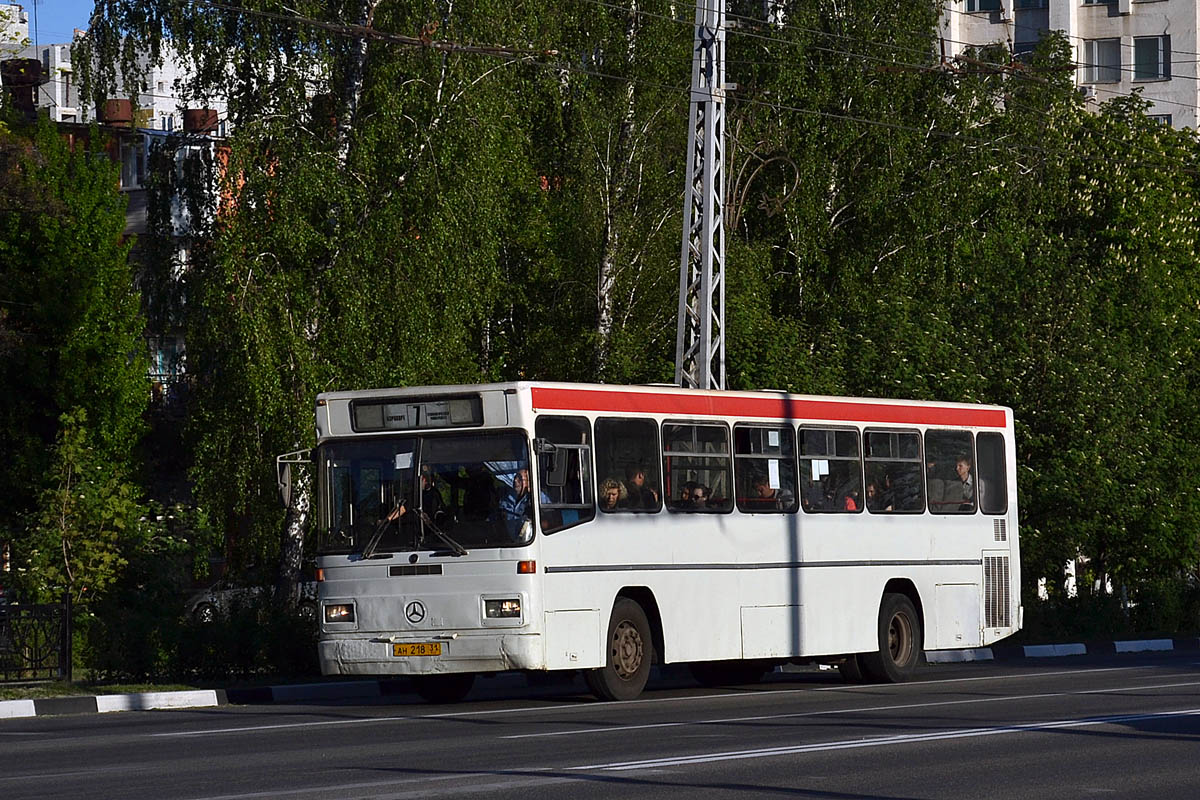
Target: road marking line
column 629, row 704
column 767, row 752
column 836, row 711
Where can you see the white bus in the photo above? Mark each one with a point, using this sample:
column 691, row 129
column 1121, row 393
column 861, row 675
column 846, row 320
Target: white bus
column 550, row 526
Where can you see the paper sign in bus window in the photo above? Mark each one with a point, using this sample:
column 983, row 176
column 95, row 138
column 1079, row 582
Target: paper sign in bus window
column 820, row 468
column 773, row 473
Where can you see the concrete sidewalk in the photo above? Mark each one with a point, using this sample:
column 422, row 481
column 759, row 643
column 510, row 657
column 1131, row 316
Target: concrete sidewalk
column 384, row 687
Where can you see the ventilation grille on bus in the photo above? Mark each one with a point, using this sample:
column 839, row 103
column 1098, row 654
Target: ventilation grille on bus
column 995, row 592
column 415, row 569
column 1000, row 530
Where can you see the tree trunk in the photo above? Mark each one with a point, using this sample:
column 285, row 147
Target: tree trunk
column 353, row 82
column 291, row 550
column 615, row 194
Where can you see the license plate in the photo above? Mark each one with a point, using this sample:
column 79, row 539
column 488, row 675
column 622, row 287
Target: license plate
column 402, row 650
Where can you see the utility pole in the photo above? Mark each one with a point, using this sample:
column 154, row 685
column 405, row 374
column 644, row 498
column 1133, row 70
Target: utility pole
column 700, row 335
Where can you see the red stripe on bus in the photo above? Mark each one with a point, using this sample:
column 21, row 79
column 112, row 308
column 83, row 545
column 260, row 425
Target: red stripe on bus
column 775, row 408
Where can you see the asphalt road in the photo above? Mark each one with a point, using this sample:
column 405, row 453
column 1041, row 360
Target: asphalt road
column 1127, row 726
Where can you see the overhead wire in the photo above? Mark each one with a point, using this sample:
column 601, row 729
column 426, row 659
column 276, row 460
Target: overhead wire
column 356, row 31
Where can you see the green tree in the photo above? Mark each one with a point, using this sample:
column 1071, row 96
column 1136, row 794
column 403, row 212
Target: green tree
column 89, row 521
column 69, row 322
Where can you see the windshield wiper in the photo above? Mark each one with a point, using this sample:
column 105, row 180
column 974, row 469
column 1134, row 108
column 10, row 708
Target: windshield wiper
column 377, row 535
column 369, row 548
column 456, row 548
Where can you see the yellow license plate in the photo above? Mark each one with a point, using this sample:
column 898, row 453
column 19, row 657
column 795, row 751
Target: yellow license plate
column 416, row 649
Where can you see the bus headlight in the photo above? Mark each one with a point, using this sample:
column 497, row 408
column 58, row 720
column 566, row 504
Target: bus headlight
column 339, row 612
column 507, row 608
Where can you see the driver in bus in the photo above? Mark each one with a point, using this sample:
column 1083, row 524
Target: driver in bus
column 514, row 505
column 431, row 499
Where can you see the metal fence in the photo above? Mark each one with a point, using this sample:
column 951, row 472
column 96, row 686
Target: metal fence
column 35, row 642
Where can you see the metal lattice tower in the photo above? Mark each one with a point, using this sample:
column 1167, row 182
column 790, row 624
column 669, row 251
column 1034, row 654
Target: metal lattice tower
column 700, row 336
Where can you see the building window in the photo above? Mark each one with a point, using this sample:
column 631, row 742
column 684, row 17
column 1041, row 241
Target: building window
column 983, row 5
column 133, row 163
column 1151, row 58
column 1098, row 2
column 1026, row 4
column 1162, row 119
column 1102, row 61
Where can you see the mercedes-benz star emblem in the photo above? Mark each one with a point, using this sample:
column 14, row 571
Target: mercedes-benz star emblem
column 415, row 611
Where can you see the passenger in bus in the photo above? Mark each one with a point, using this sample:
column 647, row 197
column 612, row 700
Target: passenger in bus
column 962, row 490
column 612, row 493
column 765, row 497
column 700, row 497
column 685, row 503
column 639, row 496
column 876, row 499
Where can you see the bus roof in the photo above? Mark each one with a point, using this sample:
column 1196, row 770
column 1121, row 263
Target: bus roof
column 675, row 401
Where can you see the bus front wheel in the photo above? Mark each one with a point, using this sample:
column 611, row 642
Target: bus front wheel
column 899, row 642
column 448, row 688
column 628, row 654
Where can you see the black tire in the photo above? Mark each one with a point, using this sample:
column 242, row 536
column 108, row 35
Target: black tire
column 628, row 656
column 900, row 642
column 444, row 688
column 852, row 669
column 728, row 673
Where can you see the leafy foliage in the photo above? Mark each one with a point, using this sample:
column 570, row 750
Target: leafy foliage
column 898, row 227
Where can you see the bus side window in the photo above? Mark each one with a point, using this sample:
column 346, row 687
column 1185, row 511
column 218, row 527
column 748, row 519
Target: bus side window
column 830, row 470
column 993, row 481
column 950, row 482
column 765, row 468
column 894, row 472
column 565, row 486
column 627, row 456
column 696, row 465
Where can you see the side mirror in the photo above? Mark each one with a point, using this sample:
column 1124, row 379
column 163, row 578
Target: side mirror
column 283, row 478
column 283, row 473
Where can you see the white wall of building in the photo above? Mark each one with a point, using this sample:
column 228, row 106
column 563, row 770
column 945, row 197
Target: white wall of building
column 14, row 30
column 1129, row 26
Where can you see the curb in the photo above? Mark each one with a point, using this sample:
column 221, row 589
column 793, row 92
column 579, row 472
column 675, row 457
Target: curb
column 105, row 703
column 385, row 687
column 1010, row 652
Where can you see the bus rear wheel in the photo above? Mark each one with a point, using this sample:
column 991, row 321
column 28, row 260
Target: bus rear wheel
column 443, row 688
column 899, row 642
column 629, row 653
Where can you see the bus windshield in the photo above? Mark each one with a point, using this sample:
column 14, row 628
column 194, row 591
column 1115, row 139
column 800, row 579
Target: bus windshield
column 455, row 492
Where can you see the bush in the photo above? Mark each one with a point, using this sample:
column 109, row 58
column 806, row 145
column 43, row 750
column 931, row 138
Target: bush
column 256, row 638
column 1162, row 608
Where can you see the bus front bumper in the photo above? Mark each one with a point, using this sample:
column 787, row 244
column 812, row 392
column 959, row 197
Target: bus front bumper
column 476, row 652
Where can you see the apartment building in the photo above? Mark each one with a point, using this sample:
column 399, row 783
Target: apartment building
column 1121, row 46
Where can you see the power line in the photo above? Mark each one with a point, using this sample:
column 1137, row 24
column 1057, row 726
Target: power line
column 358, row 32
column 737, row 32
